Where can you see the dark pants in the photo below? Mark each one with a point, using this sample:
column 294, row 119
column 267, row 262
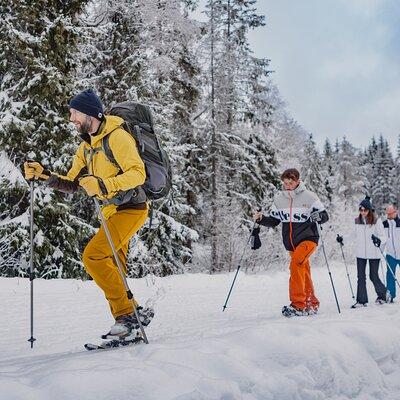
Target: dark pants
column 380, row 288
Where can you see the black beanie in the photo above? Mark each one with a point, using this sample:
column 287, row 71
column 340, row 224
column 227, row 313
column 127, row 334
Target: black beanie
column 87, row 102
column 366, row 203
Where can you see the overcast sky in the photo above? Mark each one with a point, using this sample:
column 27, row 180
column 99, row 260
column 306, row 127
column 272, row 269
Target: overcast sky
column 336, row 63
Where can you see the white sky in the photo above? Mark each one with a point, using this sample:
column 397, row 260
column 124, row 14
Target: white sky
column 336, row 64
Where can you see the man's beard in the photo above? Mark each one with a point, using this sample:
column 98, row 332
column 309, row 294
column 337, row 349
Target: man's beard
column 84, row 127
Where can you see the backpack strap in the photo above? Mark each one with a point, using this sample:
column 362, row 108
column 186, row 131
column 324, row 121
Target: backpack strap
column 109, row 154
column 106, row 143
column 131, row 195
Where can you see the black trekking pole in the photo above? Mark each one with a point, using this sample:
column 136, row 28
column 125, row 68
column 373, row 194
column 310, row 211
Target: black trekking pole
column 255, row 226
column 327, row 264
column 31, row 266
column 119, row 265
column 339, row 239
column 377, row 244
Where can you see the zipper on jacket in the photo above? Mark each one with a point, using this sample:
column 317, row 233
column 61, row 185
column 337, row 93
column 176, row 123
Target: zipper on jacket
column 365, row 239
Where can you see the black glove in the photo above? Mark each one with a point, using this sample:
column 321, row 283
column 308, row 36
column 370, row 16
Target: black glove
column 377, row 242
column 255, row 239
column 315, row 216
column 339, row 239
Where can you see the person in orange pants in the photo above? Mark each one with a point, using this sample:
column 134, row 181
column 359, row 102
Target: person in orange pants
column 299, row 210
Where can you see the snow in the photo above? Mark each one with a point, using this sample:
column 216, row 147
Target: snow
column 196, row 351
column 9, row 171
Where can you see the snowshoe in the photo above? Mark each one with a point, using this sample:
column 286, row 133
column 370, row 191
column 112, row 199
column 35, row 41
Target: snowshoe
column 387, row 299
column 125, row 324
column 290, row 311
column 359, row 305
column 310, row 310
column 129, row 340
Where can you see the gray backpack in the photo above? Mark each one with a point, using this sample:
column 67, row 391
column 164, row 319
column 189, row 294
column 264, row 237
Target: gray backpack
column 138, row 121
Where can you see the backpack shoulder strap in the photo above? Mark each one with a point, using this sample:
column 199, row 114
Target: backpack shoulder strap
column 107, row 149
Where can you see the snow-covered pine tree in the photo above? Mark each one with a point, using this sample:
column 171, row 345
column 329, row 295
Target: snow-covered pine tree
column 368, row 160
column 238, row 145
column 288, row 138
column 313, row 172
column 383, row 189
column 397, row 171
column 330, row 164
column 350, row 182
column 146, row 55
column 37, row 67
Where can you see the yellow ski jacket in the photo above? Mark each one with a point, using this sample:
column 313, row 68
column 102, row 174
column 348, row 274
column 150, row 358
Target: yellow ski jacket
column 91, row 159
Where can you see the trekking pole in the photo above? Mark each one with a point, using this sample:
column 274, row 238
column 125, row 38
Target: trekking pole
column 387, row 264
column 327, row 264
column 339, row 239
column 119, row 265
column 238, row 267
column 31, row 267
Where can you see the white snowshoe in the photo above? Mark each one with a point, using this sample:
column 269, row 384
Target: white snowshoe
column 290, row 311
column 129, row 340
column 359, row 305
column 388, row 299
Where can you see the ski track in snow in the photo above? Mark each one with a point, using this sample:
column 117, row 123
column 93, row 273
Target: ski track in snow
column 196, row 351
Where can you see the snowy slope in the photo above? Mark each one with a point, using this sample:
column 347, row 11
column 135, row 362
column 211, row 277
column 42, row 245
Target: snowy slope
column 196, row 351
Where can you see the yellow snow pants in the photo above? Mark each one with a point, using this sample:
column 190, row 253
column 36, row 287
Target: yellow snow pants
column 99, row 261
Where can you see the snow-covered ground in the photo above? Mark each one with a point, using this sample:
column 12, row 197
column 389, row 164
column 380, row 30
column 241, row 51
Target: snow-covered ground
column 196, row 351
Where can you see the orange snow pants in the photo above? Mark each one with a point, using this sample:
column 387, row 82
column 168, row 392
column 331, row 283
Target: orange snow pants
column 301, row 289
column 99, row 261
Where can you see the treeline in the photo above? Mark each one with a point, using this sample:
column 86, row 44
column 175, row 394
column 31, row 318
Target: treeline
column 218, row 114
column 212, row 102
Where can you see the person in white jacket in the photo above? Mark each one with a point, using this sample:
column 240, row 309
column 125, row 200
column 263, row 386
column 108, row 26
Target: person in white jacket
column 366, row 225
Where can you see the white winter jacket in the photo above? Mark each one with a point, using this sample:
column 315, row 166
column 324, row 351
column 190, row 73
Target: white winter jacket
column 365, row 247
column 392, row 228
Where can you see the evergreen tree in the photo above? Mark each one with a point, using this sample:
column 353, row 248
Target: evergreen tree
column 313, row 173
column 145, row 53
column 368, row 162
column 349, row 183
column 37, row 68
column 240, row 113
column 383, row 185
column 330, row 166
column 397, row 172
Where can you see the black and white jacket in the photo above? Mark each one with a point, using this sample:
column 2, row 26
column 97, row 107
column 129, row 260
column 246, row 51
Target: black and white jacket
column 392, row 228
column 293, row 209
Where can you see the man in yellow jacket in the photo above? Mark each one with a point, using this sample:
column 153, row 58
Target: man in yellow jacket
column 119, row 191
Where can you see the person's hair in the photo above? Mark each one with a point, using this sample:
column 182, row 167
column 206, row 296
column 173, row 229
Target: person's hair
column 291, row 173
column 370, row 219
column 394, row 205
